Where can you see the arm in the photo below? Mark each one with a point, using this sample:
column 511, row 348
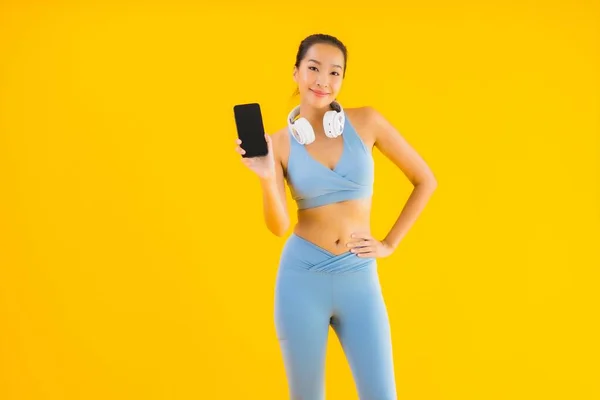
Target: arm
column 391, row 144
column 269, row 171
column 274, row 202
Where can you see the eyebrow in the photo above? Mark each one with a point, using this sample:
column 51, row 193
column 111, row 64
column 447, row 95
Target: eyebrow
column 318, row 62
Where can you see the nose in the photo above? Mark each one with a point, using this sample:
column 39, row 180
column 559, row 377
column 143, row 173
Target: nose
column 320, row 84
column 322, row 81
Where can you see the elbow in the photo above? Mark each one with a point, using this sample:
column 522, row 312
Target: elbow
column 432, row 183
column 279, row 233
column 283, row 228
column 279, row 229
column 429, row 182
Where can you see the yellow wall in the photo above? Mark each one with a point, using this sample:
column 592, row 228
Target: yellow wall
column 133, row 259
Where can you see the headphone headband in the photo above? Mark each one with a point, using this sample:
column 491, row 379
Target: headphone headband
column 296, row 111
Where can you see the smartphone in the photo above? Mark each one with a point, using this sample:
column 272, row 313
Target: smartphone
column 250, row 129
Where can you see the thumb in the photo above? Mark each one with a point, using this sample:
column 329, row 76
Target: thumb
column 268, row 140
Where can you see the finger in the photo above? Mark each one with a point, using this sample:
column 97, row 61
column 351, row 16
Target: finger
column 359, row 250
column 238, row 141
column 269, row 142
column 360, row 243
column 365, row 255
column 240, row 150
column 361, row 235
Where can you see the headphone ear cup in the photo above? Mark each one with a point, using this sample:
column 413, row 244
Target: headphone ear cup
column 303, row 131
column 333, row 123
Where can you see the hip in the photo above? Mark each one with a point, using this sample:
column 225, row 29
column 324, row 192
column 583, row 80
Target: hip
column 301, row 254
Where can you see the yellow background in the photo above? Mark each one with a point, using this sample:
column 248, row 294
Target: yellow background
column 134, row 263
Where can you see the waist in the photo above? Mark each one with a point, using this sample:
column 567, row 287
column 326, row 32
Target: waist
column 330, row 227
column 300, row 254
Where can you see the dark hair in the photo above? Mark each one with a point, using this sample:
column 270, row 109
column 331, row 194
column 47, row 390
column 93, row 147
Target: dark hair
column 318, row 38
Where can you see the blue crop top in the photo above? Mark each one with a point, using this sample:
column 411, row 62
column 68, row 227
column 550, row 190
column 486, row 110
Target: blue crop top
column 313, row 184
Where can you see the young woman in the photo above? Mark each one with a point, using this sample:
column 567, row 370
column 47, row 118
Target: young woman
column 327, row 274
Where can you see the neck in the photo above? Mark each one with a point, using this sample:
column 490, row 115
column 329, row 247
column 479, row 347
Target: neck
column 314, row 115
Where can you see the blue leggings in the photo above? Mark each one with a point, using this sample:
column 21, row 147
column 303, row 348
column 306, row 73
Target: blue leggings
column 316, row 289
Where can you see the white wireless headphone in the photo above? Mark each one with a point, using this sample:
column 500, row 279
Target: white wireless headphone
column 333, row 123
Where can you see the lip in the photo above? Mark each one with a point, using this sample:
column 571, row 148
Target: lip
column 319, row 93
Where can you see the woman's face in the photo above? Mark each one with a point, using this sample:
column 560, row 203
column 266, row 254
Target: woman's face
column 320, row 75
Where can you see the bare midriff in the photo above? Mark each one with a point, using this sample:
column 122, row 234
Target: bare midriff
column 331, row 226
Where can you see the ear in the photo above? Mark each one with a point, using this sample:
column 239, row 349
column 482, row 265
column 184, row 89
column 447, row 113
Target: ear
column 295, row 74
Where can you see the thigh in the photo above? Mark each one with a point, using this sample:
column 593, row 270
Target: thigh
column 362, row 326
column 302, row 316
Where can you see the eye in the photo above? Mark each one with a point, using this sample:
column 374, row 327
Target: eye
column 312, row 68
column 335, row 73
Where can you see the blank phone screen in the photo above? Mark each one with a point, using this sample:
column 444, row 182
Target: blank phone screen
column 250, row 128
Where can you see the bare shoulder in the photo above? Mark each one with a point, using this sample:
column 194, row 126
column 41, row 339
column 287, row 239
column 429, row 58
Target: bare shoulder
column 281, row 140
column 281, row 146
column 360, row 113
column 392, row 144
column 364, row 115
column 373, row 125
column 364, row 120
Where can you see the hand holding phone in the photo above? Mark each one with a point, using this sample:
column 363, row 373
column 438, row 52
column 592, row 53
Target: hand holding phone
column 253, row 144
column 250, row 129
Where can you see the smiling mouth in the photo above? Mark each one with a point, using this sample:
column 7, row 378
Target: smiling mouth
column 319, row 93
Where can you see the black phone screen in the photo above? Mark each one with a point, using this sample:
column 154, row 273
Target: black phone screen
column 250, row 129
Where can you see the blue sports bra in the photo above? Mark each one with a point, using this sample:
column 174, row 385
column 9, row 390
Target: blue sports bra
column 313, row 184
